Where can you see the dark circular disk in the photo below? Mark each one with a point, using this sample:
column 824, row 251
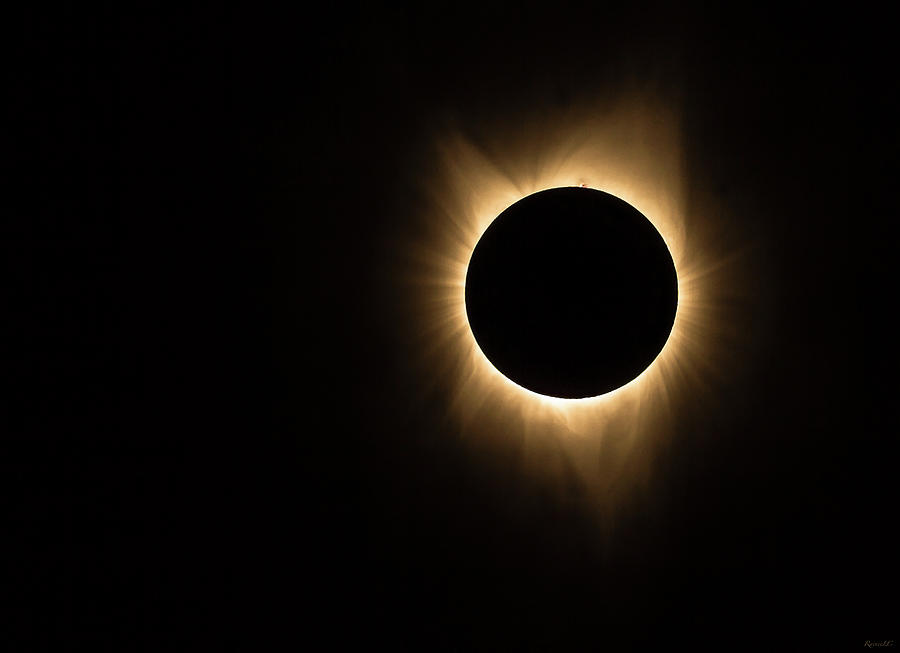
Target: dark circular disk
column 571, row 292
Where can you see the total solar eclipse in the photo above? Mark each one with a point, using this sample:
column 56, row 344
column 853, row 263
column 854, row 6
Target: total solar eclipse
column 571, row 292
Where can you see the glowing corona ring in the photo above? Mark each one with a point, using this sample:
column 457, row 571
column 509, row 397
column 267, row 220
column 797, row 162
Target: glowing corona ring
column 631, row 151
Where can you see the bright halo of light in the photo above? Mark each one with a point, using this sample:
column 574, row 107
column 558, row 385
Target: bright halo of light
column 631, row 150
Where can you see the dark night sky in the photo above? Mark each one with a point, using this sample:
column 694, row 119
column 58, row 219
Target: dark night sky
column 211, row 439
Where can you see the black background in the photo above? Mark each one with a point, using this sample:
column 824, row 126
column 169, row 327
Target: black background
column 208, row 439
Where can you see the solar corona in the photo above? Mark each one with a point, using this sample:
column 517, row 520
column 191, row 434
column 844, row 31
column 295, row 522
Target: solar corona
column 567, row 291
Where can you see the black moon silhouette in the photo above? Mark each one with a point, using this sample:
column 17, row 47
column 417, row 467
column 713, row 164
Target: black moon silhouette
column 571, row 292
